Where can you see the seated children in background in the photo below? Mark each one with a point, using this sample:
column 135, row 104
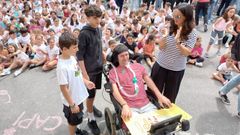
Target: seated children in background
column 4, row 62
column 226, row 54
column 24, row 39
column 148, row 50
column 52, row 55
column 39, row 48
column 20, row 60
column 112, row 44
column 224, row 73
column 195, row 57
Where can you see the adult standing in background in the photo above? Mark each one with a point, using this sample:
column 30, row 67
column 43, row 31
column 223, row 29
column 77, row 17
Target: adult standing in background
column 175, row 46
column 202, row 5
column 224, row 4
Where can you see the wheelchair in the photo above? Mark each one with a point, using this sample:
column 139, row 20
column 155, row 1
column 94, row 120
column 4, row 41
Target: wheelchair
column 114, row 121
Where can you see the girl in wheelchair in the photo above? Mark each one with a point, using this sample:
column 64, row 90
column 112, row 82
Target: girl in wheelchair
column 127, row 81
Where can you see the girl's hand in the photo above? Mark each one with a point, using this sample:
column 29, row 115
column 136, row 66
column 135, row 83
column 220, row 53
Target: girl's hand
column 126, row 112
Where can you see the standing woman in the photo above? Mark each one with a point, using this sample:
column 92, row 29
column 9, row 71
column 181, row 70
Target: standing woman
column 175, row 46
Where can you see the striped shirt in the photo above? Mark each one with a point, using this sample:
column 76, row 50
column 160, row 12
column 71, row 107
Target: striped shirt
column 170, row 57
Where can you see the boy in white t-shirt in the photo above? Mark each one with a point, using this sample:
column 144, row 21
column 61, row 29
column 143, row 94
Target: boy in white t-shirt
column 224, row 73
column 71, row 82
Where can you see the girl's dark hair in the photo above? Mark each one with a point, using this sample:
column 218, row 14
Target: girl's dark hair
column 48, row 23
column 23, row 30
column 49, row 39
column 142, row 28
column 135, row 21
column 150, row 38
column 225, row 15
column 188, row 23
column 71, row 21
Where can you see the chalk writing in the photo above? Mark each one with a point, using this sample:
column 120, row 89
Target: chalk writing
column 49, row 123
column 9, row 131
column 5, row 93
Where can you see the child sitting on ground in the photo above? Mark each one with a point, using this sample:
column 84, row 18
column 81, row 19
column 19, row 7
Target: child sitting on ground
column 39, row 48
column 226, row 54
column 224, row 73
column 195, row 57
column 4, row 62
column 20, row 60
column 52, row 55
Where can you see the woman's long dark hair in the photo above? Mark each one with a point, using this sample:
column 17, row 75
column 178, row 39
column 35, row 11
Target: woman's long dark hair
column 71, row 21
column 188, row 23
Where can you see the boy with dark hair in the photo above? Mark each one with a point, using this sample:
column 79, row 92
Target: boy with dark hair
column 73, row 90
column 90, row 60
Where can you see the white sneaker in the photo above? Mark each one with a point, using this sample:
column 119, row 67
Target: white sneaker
column 226, row 45
column 16, row 73
column 199, row 64
column 5, row 72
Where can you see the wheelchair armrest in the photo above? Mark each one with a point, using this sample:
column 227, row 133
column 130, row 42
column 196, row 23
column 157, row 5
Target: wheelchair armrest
column 108, row 87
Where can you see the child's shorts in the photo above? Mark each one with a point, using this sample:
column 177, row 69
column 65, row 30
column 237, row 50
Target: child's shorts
column 73, row 118
column 227, row 77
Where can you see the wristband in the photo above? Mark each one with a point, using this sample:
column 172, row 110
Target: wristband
column 72, row 106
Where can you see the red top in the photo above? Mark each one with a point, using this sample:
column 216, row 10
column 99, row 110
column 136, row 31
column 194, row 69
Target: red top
column 126, row 81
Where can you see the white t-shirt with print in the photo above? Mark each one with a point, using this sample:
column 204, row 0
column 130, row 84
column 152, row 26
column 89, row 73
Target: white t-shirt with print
column 22, row 56
column 69, row 74
column 52, row 52
column 223, row 69
column 39, row 51
column 24, row 40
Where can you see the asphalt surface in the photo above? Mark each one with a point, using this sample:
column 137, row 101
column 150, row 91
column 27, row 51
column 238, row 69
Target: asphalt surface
column 30, row 104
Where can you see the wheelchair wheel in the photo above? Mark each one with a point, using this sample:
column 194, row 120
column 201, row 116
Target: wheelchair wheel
column 110, row 122
column 185, row 125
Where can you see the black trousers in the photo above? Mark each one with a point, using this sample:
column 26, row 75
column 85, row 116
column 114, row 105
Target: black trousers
column 201, row 6
column 120, row 5
column 225, row 4
column 167, row 81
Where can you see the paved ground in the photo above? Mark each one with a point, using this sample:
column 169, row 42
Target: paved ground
column 30, row 104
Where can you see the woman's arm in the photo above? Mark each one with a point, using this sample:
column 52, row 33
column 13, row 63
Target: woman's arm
column 162, row 43
column 186, row 51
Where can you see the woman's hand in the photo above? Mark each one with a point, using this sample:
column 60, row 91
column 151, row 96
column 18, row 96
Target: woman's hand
column 177, row 36
column 126, row 112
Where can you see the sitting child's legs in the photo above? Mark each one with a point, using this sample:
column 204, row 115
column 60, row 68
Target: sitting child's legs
column 49, row 65
column 218, row 76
